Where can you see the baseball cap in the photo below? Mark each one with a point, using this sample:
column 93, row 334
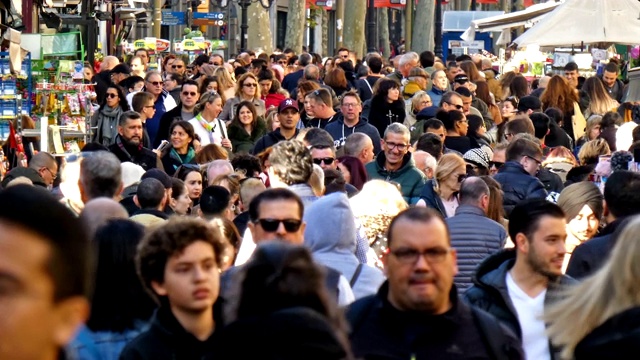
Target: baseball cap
column 288, row 104
column 529, row 102
column 461, row 78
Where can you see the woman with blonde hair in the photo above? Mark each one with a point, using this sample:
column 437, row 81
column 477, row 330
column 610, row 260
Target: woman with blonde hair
column 418, row 101
column 441, row 192
column 599, row 100
column 226, row 85
column 374, row 207
column 599, row 318
column 247, row 89
column 592, row 131
column 591, row 151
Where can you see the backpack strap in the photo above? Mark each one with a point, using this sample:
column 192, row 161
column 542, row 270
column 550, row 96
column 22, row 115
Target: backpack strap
column 492, row 334
column 355, row 276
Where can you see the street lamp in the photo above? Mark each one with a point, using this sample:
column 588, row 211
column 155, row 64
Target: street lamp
column 372, row 38
column 438, row 25
column 244, row 4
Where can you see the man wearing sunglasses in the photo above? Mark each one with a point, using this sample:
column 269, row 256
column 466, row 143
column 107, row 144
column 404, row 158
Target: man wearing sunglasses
column 518, row 175
column 189, row 96
column 396, row 164
column 163, row 103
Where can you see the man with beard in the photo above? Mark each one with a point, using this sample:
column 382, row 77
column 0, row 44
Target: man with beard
column 128, row 145
column 515, row 285
column 289, row 115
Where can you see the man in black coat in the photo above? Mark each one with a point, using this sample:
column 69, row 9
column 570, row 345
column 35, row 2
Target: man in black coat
column 417, row 314
column 128, row 145
column 621, row 200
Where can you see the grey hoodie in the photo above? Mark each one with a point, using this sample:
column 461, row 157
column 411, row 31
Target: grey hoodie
column 331, row 236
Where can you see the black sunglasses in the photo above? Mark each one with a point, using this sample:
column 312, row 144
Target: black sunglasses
column 271, row 225
column 189, row 93
column 177, row 66
column 497, row 164
column 327, row 161
column 111, row 95
column 155, row 83
column 459, row 107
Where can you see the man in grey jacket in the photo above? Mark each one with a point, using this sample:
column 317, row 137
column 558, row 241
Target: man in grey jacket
column 473, row 234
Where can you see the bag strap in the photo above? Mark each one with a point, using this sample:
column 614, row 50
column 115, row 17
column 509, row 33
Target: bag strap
column 355, row 276
column 222, row 131
column 492, row 334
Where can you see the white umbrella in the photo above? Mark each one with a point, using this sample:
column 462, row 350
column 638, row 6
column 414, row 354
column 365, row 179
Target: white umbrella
column 587, row 21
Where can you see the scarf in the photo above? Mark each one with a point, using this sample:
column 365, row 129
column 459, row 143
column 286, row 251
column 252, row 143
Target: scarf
column 123, row 147
column 191, row 154
column 108, row 120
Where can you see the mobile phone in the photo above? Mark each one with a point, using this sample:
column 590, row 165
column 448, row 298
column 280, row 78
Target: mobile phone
column 164, row 144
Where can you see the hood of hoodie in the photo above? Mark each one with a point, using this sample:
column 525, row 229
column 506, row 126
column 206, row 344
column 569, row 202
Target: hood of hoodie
column 487, row 273
column 330, row 225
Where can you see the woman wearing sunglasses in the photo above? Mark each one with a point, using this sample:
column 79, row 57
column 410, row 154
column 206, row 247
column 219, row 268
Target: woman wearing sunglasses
column 441, row 193
column 247, row 89
column 181, row 151
column 107, row 117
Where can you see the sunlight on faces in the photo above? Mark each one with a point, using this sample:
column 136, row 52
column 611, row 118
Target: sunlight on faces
column 193, row 182
column 278, row 210
column 545, row 251
column 191, row 278
column 391, row 146
column 179, row 138
column 585, row 225
column 181, row 205
column 423, row 285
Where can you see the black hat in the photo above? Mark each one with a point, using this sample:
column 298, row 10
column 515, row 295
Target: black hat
column 529, row 102
column 158, row 175
column 121, row 69
column 461, row 78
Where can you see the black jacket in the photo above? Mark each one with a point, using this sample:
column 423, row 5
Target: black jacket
column 617, row 338
column 589, row 256
column 518, row 185
column 365, row 87
column 166, row 120
column 290, row 82
column 269, row 140
column 142, row 156
column 551, row 181
column 166, row 339
column 461, row 144
column 490, row 292
column 380, row 331
column 381, row 114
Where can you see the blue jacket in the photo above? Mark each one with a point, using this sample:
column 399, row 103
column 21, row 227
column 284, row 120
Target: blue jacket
column 518, row 185
column 339, row 132
column 475, row 237
column 102, row 345
column 436, row 95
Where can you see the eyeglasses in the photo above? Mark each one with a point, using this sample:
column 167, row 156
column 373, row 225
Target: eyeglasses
column 189, row 93
column 155, row 83
column 534, row 159
column 426, row 102
column 250, row 85
column 410, row 256
column 112, row 95
column 327, row 161
column 459, row 107
column 271, row 225
column 53, row 176
column 496, row 164
column 350, row 105
column 177, row 66
column 461, row 177
column 391, row 146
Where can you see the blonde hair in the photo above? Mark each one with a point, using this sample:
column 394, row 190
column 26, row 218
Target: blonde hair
column 591, row 151
column 417, row 98
column 447, row 165
column 378, row 195
column 224, row 78
column 611, row 290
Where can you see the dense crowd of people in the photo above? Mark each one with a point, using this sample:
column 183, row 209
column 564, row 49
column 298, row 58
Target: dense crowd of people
column 290, row 207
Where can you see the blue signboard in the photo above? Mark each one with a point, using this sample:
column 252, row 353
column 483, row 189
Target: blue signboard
column 212, row 18
column 173, row 18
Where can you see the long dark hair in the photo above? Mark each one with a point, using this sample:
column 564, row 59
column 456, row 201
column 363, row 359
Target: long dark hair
column 249, row 105
column 124, row 104
column 119, row 299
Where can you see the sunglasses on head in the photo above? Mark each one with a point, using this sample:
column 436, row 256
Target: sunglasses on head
column 271, row 225
column 327, row 161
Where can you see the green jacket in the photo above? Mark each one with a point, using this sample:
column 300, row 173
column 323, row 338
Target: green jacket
column 410, row 179
column 241, row 141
